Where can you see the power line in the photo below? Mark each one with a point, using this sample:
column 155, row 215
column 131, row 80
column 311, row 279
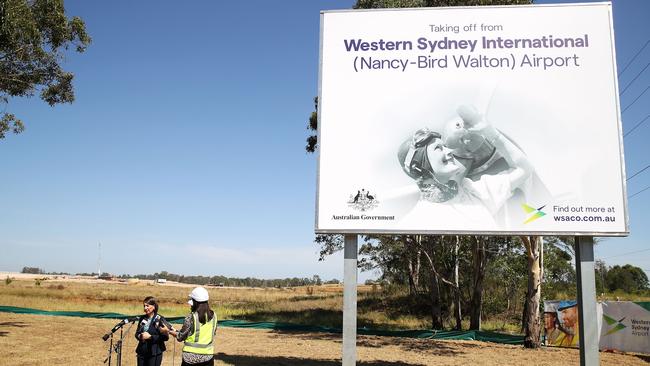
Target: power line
column 637, row 173
column 644, row 189
column 637, row 125
column 637, row 98
column 624, row 254
column 633, row 58
column 636, row 77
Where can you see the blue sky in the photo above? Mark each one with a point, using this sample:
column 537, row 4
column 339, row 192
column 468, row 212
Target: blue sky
column 184, row 150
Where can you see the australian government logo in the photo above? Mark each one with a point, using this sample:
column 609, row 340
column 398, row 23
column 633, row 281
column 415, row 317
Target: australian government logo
column 363, row 201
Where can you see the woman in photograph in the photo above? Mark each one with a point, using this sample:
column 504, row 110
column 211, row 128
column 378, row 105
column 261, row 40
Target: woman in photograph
column 197, row 333
column 446, row 189
column 151, row 334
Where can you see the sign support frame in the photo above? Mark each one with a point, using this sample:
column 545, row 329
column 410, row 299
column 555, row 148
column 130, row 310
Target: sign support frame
column 350, row 299
column 587, row 308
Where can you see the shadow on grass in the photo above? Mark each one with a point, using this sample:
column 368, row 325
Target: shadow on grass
column 323, row 317
column 313, row 297
column 318, row 317
column 397, row 306
column 425, row 346
column 241, row 360
column 11, row 324
column 645, row 358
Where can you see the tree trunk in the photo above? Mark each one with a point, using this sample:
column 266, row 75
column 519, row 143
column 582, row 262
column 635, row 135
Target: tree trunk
column 434, row 283
column 479, row 263
column 457, row 309
column 414, row 271
column 524, row 312
column 531, row 318
column 436, row 312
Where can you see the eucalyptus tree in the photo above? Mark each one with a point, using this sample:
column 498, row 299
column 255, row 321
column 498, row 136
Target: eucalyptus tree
column 35, row 36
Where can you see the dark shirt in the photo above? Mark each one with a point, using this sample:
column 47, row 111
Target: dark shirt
column 154, row 345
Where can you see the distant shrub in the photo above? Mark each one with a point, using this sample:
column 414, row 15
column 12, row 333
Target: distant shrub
column 8, row 281
column 32, row 270
column 56, row 287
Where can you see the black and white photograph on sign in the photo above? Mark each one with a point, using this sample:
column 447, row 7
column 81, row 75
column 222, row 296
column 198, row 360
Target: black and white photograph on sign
column 471, row 172
column 510, row 129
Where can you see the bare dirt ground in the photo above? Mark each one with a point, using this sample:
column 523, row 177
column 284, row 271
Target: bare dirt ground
column 50, row 340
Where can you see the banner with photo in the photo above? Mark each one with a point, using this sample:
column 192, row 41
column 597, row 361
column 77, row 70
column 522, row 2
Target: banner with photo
column 623, row 325
column 626, row 326
column 561, row 323
column 470, row 120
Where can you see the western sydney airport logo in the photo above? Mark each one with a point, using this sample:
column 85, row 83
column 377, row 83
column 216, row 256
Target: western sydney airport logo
column 363, row 200
column 611, row 322
column 536, row 212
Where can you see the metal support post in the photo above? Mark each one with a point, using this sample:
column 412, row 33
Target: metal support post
column 350, row 300
column 588, row 324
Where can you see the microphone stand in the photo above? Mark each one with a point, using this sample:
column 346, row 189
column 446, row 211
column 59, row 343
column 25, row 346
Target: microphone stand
column 118, row 344
column 110, row 351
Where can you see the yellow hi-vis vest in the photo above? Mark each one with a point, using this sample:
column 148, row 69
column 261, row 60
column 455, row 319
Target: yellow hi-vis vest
column 201, row 340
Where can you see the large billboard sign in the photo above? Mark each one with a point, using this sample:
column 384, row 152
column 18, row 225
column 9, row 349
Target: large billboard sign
column 470, row 120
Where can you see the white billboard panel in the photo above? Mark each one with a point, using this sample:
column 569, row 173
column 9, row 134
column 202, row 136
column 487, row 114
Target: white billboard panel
column 470, row 120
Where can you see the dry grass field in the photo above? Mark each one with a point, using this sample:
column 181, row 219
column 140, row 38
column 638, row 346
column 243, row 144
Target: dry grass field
column 304, row 305
column 47, row 340
column 51, row 340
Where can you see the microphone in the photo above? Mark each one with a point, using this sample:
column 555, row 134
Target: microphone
column 167, row 324
column 118, row 326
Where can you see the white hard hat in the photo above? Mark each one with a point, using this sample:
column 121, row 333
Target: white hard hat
column 199, row 294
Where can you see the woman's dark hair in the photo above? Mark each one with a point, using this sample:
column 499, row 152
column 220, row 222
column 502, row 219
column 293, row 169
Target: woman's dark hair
column 204, row 311
column 150, row 300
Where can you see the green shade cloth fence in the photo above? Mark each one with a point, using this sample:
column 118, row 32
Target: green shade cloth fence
column 470, row 335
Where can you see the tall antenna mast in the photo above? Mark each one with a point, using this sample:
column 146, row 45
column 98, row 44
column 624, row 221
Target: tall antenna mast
column 99, row 260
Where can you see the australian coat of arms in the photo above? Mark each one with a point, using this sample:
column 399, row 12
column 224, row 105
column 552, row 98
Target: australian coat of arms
column 363, row 200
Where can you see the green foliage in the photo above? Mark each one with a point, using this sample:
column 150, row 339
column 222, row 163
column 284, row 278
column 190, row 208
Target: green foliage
column 316, row 280
column 628, row 278
column 312, row 126
column 559, row 273
column 32, row 270
column 9, row 122
column 506, row 281
column 410, row 287
column 601, row 271
column 8, row 281
column 329, row 244
column 34, row 38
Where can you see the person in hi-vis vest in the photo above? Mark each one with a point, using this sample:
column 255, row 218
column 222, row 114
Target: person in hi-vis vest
column 198, row 331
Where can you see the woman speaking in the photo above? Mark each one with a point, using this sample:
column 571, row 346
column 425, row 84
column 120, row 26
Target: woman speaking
column 151, row 338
